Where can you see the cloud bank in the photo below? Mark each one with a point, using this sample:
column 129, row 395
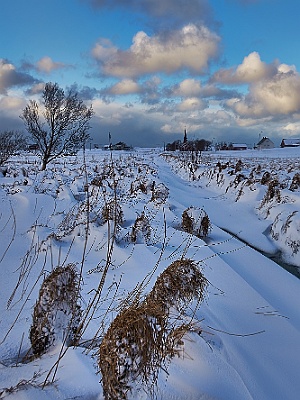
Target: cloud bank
column 10, row 77
column 152, row 88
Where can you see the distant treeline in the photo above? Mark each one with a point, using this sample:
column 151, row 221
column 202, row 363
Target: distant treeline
column 189, row 145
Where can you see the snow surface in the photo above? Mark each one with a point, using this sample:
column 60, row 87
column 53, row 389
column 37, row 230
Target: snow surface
column 247, row 342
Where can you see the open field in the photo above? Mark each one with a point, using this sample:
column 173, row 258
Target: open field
column 117, row 219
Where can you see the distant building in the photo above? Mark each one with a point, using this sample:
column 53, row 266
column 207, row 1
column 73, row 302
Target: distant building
column 265, row 143
column 117, row 146
column 237, row 146
column 290, row 143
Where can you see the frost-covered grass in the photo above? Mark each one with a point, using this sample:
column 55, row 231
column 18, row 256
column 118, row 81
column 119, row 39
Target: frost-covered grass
column 117, row 218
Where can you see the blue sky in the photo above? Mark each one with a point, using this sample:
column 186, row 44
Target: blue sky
column 225, row 70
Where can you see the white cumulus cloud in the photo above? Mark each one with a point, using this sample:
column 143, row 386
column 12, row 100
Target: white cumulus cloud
column 277, row 96
column 189, row 48
column 188, row 88
column 191, row 104
column 274, row 89
column 47, row 65
column 126, row 86
column 251, row 70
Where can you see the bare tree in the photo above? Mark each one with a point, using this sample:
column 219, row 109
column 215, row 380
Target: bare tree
column 10, row 143
column 61, row 127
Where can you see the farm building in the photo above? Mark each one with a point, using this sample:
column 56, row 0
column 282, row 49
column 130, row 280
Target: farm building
column 265, row 143
column 237, row 146
column 117, row 146
column 290, row 143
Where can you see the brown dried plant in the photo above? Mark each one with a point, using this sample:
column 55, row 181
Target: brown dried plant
column 112, row 211
column 196, row 222
column 272, row 193
column 295, row 185
column 160, row 192
column 141, row 230
column 57, row 312
column 144, row 336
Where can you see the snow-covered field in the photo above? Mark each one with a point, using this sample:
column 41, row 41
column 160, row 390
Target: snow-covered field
column 244, row 340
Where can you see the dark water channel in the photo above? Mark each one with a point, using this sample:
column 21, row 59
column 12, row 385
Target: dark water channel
column 277, row 257
column 292, row 269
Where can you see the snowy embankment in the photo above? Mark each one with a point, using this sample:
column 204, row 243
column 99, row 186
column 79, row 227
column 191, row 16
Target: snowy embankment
column 246, row 332
column 253, row 194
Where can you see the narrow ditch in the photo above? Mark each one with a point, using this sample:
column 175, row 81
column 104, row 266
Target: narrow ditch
column 277, row 257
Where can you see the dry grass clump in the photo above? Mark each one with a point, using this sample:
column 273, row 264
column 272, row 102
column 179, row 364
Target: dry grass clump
column 160, row 192
column 112, row 211
column 141, row 185
column 126, row 352
column 144, row 336
column 75, row 217
column 220, row 166
column 265, row 179
column 238, row 166
column 178, row 285
column 196, row 221
column 272, row 193
column 97, row 181
column 141, row 230
column 57, row 312
column 295, row 185
column 238, row 179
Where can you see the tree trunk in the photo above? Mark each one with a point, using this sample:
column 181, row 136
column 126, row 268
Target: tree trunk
column 44, row 164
